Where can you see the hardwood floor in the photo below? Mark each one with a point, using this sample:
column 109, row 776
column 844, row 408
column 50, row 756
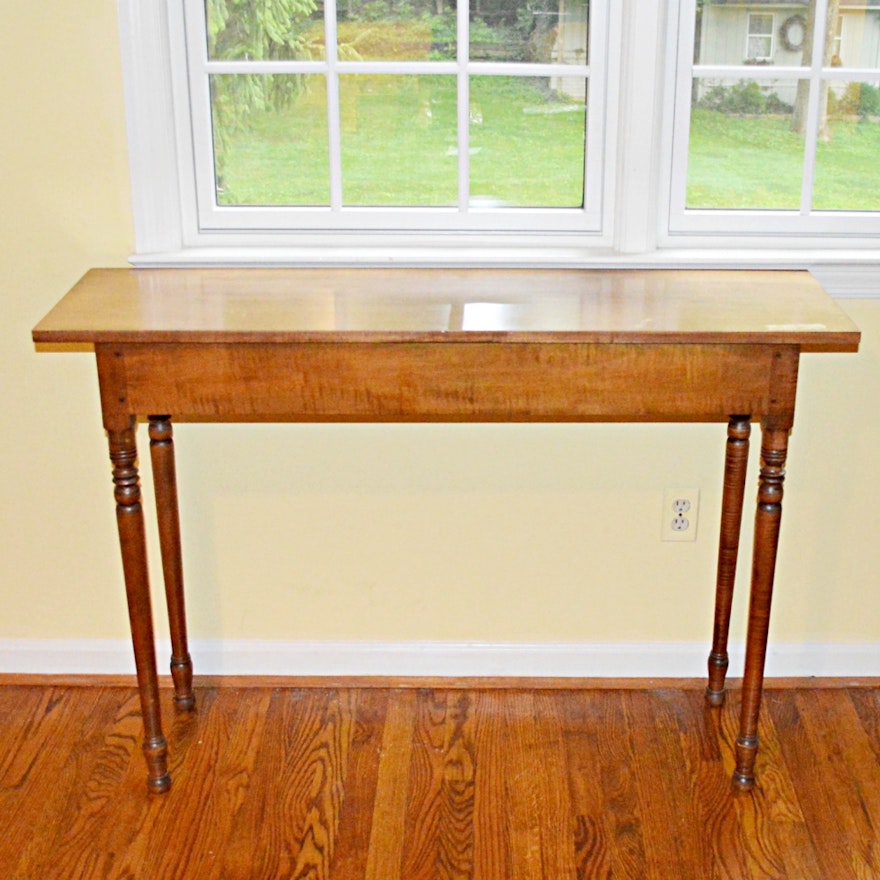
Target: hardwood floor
column 381, row 783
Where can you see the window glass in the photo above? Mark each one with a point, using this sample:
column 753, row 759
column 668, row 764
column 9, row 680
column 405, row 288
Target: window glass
column 743, row 151
column 857, row 34
column 256, row 30
column 398, row 140
column 848, row 151
column 759, row 46
column 527, row 141
column 377, row 30
column 540, row 31
column 270, row 139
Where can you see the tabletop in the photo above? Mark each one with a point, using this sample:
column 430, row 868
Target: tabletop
column 446, row 304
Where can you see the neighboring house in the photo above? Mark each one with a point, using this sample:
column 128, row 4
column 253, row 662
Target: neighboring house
column 735, row 32
column 772, row 32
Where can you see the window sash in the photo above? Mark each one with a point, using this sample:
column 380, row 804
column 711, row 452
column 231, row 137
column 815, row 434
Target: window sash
column 693, row 227
column 464, row 217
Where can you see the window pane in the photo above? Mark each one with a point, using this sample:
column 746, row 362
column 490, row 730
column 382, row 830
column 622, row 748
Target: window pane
column 290, row 30
column 847, row 167
column 728, row 33
column 537, row 31
column 376, row 30
column 270, row 139
column 398, row 140
column 527, row 139
column 745, row 150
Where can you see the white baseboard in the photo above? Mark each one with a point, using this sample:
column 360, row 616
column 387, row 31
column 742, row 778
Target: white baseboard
column 437, row 659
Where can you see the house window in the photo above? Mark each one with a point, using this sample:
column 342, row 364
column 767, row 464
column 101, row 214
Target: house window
column 759, row 43
column 786, row 149
column 416, row 114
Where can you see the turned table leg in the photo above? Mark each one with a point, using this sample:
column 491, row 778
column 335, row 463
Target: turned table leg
column 130, row 521
column 165, row 480
column 774, row 447
column 735, row 465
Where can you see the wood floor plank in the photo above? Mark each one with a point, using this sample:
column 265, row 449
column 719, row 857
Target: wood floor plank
column 290, row 827
column 438, row 836
column 624, row 816
column 491, row 829
column 421, row 851
column 535, row 801
column 549, row 757
column 361, row 778
column 458, row 790
column 708, row 765
column 385, row 853
column 675, row 848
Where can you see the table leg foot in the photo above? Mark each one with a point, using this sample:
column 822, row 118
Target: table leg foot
column 156, row 755
column 715, row 690
column 181, row 675
column 744, row 773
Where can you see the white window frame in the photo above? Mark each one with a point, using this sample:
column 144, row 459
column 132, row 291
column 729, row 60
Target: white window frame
column 339, row 218
column 640, row 220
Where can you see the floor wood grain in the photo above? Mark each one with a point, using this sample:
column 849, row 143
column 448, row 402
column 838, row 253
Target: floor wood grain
column 453, row 783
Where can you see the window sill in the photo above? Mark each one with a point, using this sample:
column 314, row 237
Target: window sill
column 844, row 273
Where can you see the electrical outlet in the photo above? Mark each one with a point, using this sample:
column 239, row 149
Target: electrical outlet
column 680, row 510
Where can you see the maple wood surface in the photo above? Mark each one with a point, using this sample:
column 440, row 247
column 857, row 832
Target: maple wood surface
column 287, row 305
column 422, row 783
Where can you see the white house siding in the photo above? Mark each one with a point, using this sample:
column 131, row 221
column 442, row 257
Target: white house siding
column 724, row 34
column 860, row 37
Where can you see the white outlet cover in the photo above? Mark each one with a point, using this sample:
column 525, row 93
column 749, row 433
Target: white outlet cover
column 680, row 515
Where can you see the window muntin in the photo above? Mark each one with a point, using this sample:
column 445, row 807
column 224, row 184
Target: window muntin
column 470, row 117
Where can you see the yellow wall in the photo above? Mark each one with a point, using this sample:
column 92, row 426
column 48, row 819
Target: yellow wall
column 498, row 533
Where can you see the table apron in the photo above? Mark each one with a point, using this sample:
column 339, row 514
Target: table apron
column 448, row 381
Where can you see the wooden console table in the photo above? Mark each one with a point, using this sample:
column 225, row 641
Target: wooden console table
column 446, row 345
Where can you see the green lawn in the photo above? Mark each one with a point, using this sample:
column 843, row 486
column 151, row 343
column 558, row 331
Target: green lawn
column 757, row 162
